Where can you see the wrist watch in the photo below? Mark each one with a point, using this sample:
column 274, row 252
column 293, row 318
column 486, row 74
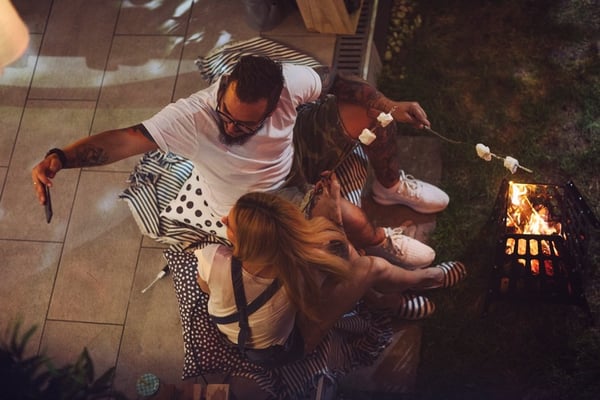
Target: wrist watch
column 60, row 154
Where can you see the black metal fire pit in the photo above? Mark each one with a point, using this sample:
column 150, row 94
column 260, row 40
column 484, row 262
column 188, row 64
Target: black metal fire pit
column 542, row 236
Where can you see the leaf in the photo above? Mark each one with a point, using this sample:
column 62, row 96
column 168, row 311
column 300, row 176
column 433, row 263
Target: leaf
column 86, row 366
column 105, row 381
column 16, row 346
column 37, row 377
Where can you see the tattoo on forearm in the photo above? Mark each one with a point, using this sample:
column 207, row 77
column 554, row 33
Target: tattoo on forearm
column 90, row 156
column 357, row 91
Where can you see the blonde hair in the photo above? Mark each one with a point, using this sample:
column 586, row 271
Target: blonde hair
column 271, row 231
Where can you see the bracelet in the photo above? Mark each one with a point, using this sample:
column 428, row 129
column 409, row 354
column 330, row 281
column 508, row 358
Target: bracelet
column 60, row 154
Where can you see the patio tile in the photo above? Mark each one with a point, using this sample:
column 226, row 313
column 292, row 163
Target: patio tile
column 207, row 27
column 151, row 243
column 10, row 117
column 75, row 49
column 206, row 32
column 46, row 124
column 139, row 82
column 14, row 85
column 189, row 79
column 101, row 248
column 34, row 13
column 28, row 274
column 63, row 342
column 3, row 172
column 152, row 339
column 168, row 17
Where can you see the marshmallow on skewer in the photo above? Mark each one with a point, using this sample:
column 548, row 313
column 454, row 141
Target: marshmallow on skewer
column 367, row 137
column 483, row 152
column 511, row 164
column 385, row 119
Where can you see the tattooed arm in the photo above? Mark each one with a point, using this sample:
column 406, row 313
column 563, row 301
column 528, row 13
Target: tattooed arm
column 353, row 90
column 100, row 149
column 108, row 147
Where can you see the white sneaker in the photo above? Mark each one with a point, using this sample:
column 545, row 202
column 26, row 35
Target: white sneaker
column 418, row 195
column 402, row 250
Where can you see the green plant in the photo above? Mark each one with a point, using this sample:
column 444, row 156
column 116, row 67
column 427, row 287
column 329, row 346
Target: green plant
column 36, row 377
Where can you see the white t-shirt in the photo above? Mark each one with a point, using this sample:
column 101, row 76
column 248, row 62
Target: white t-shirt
column 269, row 325
column 190, row 128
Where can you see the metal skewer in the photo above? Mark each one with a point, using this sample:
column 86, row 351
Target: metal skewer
column 158, row 277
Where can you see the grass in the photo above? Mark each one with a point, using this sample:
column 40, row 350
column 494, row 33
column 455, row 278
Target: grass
column 522, row 77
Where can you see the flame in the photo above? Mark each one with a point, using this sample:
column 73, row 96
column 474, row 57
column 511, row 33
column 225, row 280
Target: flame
column 523, row 217
column 526, row 219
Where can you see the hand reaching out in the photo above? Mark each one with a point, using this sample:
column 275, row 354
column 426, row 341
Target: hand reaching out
column 42, row 175
column 327, row 199
column 408, row 112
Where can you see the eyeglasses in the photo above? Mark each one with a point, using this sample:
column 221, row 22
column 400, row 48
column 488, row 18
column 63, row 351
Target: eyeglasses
column 239, row 126
column 228, row 119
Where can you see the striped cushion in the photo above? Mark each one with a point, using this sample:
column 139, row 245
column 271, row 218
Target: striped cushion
column 155, row 181
column 222, row 60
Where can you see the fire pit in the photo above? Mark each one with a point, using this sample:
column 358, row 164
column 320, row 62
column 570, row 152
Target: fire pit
column 543, row 233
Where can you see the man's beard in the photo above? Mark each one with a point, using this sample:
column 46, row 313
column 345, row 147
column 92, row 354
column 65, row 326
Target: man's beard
column 234, row 140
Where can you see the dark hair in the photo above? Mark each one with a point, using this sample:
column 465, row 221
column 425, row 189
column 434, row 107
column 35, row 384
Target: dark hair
column 258, row 78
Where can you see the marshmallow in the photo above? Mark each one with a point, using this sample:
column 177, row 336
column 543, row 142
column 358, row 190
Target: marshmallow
column 385, row 119
column 511, row 164
column 483, row 152
column 367, row 137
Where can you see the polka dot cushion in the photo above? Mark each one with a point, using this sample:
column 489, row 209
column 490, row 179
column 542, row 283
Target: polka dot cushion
column 190, row 208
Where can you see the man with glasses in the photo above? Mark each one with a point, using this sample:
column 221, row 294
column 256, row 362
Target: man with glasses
column 240, row 133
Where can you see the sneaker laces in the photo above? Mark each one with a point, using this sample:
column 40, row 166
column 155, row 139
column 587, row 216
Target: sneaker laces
column 389, row 243
column 409, row 185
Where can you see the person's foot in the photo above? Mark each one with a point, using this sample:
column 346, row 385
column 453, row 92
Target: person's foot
column 421, row 196
column 415, row 307
column 451, row 273
column 402, row 250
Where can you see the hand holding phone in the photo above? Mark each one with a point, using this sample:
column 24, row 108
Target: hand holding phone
column 48, row 204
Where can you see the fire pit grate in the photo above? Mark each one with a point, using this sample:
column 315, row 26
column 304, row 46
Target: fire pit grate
column 543, row 232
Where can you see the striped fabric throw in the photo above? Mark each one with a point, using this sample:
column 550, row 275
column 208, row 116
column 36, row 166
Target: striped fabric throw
column 222, row 60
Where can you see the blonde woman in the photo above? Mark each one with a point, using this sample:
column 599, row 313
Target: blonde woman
column 321, row 276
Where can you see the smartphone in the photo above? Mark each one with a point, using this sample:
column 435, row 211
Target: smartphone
column 48, row 204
